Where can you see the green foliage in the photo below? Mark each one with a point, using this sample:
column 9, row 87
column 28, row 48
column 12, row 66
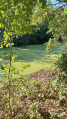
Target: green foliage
column 62, row 64
column 53, row 114
column 16, row 19
column 54, row 82
column 19, row 16
column 63, row 1
column 40, row 36
column 57, row 22
column 56, row 17
column 49, row 46
column 14, row 71
column 61, row 91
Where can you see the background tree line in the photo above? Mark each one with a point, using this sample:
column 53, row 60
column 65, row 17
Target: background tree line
column 39, row 36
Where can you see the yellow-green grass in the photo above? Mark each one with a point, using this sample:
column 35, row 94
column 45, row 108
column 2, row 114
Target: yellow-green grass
column 35, row 55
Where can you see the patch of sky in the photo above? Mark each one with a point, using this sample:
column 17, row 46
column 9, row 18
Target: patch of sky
column 57, row 3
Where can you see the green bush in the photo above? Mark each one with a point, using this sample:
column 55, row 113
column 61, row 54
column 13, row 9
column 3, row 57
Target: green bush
column 62, row 64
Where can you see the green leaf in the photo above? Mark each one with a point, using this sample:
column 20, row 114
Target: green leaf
column 53, row 114
column 54, row 82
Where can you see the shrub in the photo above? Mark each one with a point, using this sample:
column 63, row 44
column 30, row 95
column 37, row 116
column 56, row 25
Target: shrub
column 62, row 63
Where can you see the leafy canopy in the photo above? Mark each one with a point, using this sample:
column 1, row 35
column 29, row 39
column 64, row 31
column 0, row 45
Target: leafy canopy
column 19, row 16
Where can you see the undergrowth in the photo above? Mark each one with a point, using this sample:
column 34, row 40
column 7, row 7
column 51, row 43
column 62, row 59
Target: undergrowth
column 34, row 99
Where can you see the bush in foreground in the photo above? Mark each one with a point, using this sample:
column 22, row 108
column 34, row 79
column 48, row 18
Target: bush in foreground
column 62, row 64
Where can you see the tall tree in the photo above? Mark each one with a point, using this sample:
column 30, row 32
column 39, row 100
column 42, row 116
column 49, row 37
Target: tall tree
column 58, row 21
column 56, row 15
column 15, row 18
